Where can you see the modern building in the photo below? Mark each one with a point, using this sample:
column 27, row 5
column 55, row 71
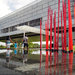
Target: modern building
column 30, row 15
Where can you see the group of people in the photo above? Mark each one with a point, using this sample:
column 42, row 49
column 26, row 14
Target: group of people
column 25, row 48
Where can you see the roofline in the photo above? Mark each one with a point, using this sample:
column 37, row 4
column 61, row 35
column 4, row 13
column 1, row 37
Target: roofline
column 17, row 10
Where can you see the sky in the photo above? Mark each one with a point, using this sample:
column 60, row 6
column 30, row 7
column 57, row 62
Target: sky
column 7, row 6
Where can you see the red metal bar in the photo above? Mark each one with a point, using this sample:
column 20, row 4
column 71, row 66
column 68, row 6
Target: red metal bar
column 51, row 40
column 62, row 35
column 47, row 38
column 48, row 19
column 58, row 24
column 64, row 20
column 70, row 27
column 62, row 43
column 58, row 36
column 55, row 43
column 65, row 38
column 70, row 39
column 46, row 64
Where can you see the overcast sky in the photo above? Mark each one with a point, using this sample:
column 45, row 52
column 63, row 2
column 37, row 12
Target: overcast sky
column 7, row 6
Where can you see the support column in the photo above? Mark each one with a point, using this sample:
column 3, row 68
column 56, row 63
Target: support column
column 24, row 35
column 28, row 23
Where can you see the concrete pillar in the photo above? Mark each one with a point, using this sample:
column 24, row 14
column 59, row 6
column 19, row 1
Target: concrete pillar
column 9, row 29
column 28, row 23
column 24, row 35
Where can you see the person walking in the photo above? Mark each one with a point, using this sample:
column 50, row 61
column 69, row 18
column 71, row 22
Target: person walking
column 25, row 49
column 8, row 52
column 15, row 46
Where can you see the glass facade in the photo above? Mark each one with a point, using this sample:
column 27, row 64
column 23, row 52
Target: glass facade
column 31, row 14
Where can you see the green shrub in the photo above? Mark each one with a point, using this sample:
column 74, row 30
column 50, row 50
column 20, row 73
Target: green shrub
column 31, row 45
column 36, row 46
column 12, row 45
column 30, row 51
column 2, row 47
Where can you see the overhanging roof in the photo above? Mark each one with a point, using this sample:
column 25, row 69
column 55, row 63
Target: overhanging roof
column 26, row 29
column 30, row 29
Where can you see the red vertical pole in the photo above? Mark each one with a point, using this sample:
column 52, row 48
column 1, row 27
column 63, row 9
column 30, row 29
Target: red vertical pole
column 62, row 29
column 55, row 43
column 64, row 14
column 62, row 33
column 70, row 27
column 51, row 41
column 62, row 44
column 64, row 18
column 70, row 39
column 46, row 64
column 40, row 42
column 58, row 24
column 48, row 18
column 47, row 38
column 58, row 35
column 55, row 37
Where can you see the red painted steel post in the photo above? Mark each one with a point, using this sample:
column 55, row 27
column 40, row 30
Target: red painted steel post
column 65, row 52
column 51, row 41
column 58, row 36
column 48, row 18
column 62, row 34
column 70, row 39
column 65, row 27
column 62, row 44
column 47, row 38
column 58, row 24
column 55, row 43
column 46, row 64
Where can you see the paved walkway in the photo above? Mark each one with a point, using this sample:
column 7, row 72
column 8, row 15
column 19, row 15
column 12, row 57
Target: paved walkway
column 27, row 69
column 16, row 64
column 6, row 71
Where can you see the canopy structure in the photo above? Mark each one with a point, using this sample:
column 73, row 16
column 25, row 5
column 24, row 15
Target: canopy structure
column 26, row 29
column 30, row 29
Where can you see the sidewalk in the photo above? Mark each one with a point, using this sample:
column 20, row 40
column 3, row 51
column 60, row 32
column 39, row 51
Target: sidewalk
column 18, row 66
column 32, row 67
column 13, row 63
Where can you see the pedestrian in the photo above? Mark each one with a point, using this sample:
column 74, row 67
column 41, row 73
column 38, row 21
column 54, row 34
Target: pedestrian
column 15, row 46
column 25, row 49
column 8, row 52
